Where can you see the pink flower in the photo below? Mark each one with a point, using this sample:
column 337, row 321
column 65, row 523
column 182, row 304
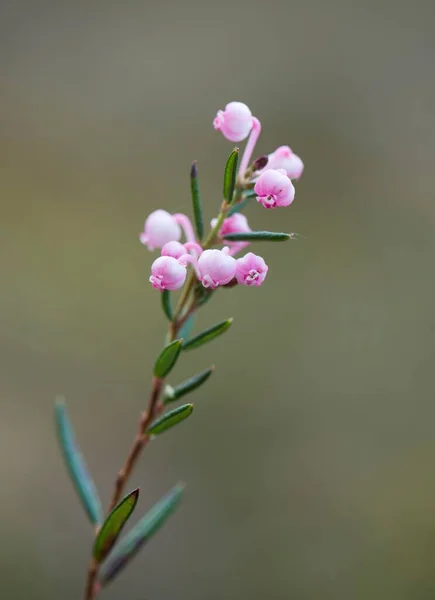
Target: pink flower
column 235, row 121
column 274, row 188
column 160, row 228
column 216, row 267
column 174, row 249
column 284, row 158
column 251, row 270
column 167, row 273
column 237, row 223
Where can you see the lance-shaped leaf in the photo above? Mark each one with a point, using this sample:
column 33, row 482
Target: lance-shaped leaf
column 207, row 335
column 230, row 175
column 113, row 525
column 167, row 359
column 170, row 419
column 141, row 533
column 171, row 394
column 76, row 465
column 196, row 201
column 257, row 236
column 239, row 206
column 166, row 304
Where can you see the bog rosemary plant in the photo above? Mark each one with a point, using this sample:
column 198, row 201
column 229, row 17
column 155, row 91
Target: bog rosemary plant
column 196, row 266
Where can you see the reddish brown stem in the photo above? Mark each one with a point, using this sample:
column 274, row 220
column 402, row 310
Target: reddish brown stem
column 92, row 587
column 140, row 441
column 154, row 408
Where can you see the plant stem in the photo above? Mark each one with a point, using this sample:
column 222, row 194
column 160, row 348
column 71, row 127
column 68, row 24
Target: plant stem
column 140, row 441
column 154, row 407
column 92, row 587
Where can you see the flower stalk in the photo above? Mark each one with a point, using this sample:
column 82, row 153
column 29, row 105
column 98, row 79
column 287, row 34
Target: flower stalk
column 197, row 267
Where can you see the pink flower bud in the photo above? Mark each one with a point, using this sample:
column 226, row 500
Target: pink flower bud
column 216, row 267
column 237, row 223
column 235, row 121
column 251, row 269
column 174, row 249
column 274, row 188
column 167, row 273
column 284, row 158
column 160, row 228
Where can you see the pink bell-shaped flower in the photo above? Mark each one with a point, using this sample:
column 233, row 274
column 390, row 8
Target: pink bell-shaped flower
column 167, row 273
column 237, row 223
column 284, row 158
column 160, row 228
column 235, row 122
column 274, row 188
column 251, row 270
column 216, row 267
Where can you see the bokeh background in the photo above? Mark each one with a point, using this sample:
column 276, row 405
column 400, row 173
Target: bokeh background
column 310, row 458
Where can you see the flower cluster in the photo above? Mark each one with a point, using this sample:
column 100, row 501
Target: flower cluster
column 268, row 178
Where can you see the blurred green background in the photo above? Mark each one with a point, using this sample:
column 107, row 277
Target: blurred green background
column 310, row 458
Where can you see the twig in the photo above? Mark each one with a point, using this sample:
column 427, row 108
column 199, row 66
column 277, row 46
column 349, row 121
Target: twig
column 140, row 441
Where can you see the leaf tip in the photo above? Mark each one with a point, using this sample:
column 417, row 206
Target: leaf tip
column 194, row 170
column 59, row 401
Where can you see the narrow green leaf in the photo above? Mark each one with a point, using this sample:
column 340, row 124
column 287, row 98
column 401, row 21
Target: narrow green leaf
column 230, row 175
column 196, row 201
column 172, row 394
column 239, row 206
column 167, row 359
column 76, row 466
column 171, row 418
column 258, row 236
column 141, row 533
column 207, row 335
column 166, row 304
column 113, row 525
column 186, row 328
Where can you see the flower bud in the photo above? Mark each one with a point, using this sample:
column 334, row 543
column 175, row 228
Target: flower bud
column 284, row 158
column 174, row 249
column 216, row 267
column 160, row 228
column 167, row 273
column 251, row 270
column 274, row 188
column 235, row 121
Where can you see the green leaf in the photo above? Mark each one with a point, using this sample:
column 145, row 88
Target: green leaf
column 258, row 236
column 167, row 359
column 141, row 533
column 166, row 304
column 113, row 525
column 76, row 466
column 207, row 335
column 230, row 175
column 239, row 206
column 196, row 201
column 186, row 328
column 172, row 394
column 170, row 419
